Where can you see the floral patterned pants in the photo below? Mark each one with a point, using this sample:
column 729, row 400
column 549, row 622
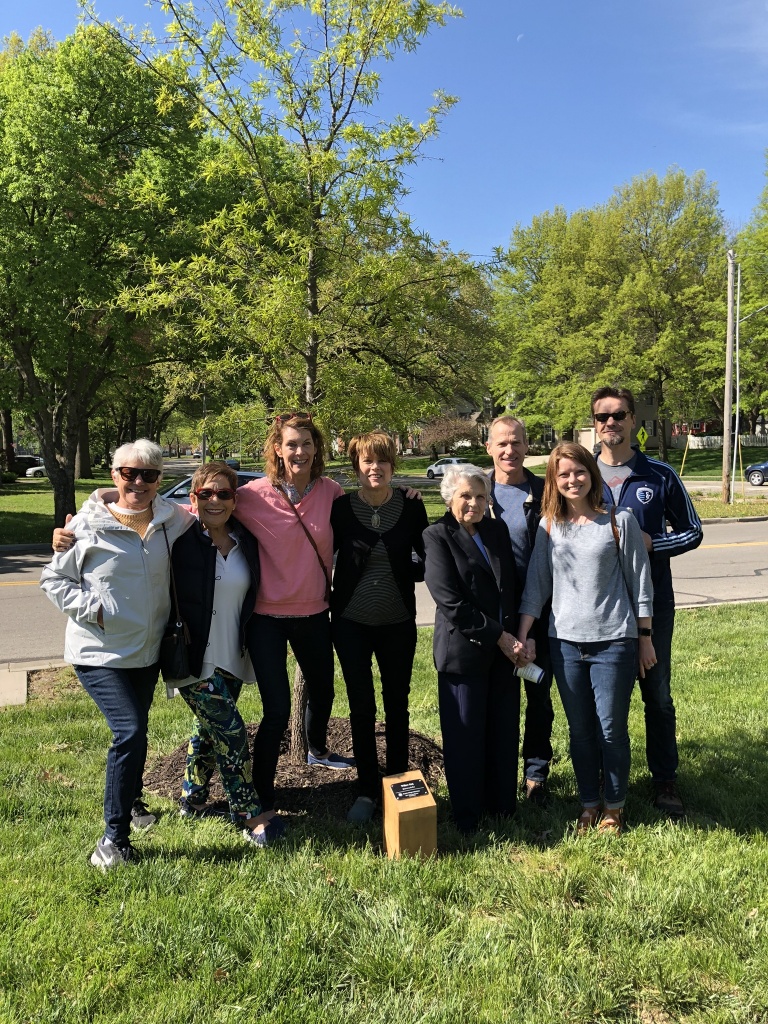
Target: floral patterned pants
column 219, row 739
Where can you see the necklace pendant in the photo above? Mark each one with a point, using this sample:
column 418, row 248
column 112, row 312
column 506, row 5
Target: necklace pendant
column 375, row 520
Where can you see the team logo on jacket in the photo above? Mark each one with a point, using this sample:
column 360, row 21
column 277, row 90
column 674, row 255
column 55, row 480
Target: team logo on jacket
column 644, row 494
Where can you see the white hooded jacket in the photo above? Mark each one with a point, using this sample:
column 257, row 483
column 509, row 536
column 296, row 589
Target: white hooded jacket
column 111, row 567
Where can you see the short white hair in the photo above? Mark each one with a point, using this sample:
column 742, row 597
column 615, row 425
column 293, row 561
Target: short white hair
column 140, row 452
column 464, row 471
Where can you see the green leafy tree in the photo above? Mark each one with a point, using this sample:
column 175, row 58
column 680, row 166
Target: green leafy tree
column 630, row 293
column 93, row 155
column 316, row 277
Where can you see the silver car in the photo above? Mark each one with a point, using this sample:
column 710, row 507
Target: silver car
column 179, row 492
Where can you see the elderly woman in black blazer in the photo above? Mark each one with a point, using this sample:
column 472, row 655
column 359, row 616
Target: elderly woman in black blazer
column 470, row 572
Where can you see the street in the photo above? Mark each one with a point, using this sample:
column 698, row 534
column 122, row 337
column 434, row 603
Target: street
column 731, row 565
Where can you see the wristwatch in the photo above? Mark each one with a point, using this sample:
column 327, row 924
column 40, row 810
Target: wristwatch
column 645, row 631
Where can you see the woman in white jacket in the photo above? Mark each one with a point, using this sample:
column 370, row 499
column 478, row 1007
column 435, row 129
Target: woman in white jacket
column 113, row 585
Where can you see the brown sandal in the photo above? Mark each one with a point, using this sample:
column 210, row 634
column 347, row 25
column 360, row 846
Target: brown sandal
column 612, row 822
column 587, row 820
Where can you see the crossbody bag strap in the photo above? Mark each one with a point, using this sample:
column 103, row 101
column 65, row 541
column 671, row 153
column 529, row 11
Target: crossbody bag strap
column 616, row 538
column 179, row 620
column 309, row 537
column 615, row 529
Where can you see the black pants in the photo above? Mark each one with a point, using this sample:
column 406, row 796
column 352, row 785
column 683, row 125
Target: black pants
column 268, row 640
column 539, row 716
column 394, row 647
column 480, row 722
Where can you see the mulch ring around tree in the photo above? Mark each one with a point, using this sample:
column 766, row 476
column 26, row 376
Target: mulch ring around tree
column 302, row 788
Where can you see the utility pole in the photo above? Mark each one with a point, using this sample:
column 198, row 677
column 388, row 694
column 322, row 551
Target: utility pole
column 728, row 397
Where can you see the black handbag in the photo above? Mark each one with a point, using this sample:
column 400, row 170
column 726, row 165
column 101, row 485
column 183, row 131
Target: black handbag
column 174, row 647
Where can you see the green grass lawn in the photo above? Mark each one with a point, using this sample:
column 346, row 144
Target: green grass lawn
column 668, row 923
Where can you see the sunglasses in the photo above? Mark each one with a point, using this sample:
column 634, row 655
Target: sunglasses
column 149, row 476
column 223, row 493
column 603, row 417
column 283, row 417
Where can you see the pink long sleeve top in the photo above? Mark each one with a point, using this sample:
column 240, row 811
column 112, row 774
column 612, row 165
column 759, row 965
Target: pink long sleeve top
column 292, row 582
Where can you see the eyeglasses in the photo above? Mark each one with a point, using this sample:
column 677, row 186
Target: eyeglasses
column 603, row 417
column 283, row 417
column 149, row 476
column 223, row 493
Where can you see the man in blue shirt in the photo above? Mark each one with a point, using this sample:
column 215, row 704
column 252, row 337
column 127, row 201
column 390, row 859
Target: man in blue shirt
column 516, row 499
column 658, row 498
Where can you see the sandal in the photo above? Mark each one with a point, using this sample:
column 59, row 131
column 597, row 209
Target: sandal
column 587, row 820
column 612, row 822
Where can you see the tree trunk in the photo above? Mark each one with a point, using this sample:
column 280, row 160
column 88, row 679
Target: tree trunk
column 6, row 423
column 83, row 468
column 663, row 450
column 297, row 752
column 313, row 339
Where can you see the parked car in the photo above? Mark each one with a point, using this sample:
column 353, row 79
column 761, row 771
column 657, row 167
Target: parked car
column 438, row 468
column 35, row 470
column 179, row 492
column 24, row 462
column 233, row 464
column 757, row 473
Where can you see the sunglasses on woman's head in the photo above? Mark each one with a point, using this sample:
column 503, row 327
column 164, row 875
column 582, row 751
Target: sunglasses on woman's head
column 603, row 417
column 283, row 417
column 149, row 476
column 223, row 493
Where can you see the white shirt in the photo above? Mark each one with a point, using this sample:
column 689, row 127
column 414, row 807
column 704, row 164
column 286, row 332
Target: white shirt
column 232, row 580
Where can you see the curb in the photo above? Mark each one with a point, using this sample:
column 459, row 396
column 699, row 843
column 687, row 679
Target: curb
column 738, row 519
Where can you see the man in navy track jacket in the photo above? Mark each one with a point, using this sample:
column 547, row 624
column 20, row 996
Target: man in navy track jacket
column 658, row 498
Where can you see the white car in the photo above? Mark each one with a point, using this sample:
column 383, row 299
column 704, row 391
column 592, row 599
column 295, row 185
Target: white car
column 438, row 468
column 36, row 471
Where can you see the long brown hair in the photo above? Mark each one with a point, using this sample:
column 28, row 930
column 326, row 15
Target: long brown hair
column 299, row 421
column 553, row 505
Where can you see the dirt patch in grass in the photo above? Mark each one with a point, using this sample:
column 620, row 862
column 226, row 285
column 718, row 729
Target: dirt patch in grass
column 48, row 683
column 305, row 789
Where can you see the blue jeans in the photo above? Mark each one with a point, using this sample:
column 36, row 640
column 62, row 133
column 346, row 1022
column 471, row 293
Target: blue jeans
column 310, row 639
column 655, row 689
column 124, row 697
column 595, row 681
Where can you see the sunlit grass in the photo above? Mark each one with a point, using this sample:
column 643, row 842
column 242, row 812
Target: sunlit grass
column 668, row 923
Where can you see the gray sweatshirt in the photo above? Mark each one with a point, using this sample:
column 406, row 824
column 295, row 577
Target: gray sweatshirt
column 588, row 579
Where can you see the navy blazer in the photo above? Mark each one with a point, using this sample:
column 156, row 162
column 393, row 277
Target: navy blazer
column 476, row 602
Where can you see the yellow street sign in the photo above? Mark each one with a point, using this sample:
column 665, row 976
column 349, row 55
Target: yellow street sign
column 642, row 437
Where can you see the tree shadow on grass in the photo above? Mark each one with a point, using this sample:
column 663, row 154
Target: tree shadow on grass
column 725, row 785
column 25, row 527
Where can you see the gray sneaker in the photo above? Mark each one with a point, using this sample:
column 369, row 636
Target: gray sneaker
column 109, row 855
column 141, row 816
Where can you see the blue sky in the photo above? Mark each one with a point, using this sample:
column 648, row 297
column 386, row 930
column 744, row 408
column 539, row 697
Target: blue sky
column 560, row 102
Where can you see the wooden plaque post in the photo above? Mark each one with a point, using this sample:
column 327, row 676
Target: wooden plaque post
column 410, row 815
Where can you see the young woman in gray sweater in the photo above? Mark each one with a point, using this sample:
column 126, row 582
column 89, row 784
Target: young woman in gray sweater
column 593, row 565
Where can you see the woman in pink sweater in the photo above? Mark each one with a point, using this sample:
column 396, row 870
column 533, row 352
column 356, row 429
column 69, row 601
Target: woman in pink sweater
column 289, row 512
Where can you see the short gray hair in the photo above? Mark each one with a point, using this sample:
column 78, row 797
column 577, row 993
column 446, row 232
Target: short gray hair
column 462, row 471
column 140, row 452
